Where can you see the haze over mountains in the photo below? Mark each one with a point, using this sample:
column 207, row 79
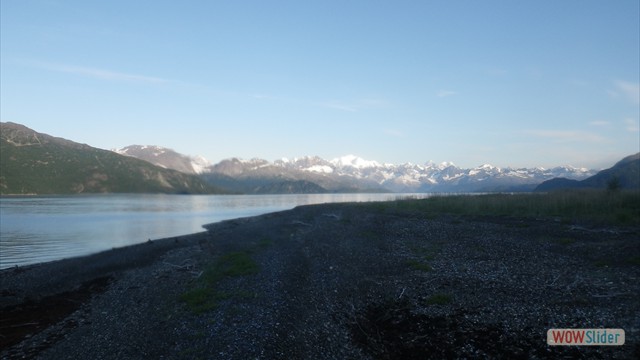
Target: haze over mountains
column 352, row 174
column 625, row 174
column 35, row 163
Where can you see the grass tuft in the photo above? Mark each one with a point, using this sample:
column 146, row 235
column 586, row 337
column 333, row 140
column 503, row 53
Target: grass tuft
column 205, row 296
column 594, row 206
column 417, row 265
column 439, row 299
column 565, row 241
column 634, row 260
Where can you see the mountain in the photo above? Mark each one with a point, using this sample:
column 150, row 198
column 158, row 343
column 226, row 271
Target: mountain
column 166, row 158
column 431, row 177
column 258, row 176
column 625, row 173
column 36, row 163
column 352, row 174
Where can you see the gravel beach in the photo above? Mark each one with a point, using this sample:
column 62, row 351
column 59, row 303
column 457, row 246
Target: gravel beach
column 333, row 281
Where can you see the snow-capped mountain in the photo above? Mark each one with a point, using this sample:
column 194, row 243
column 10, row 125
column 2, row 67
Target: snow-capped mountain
column 307, row 174
column 351, row 173
column 363, row 174
column 352, row 161
column 166, row 158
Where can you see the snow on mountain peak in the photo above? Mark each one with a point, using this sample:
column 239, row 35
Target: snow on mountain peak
column 166, row 158
column 354, row 161
column 199, row 164
column 407, row 177
column 320, row 169
column 441, row 166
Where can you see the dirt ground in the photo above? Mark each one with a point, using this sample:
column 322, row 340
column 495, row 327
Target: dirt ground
column 334, row 281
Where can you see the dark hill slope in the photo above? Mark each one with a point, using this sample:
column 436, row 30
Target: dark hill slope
column 36, row 163
column 625, row 172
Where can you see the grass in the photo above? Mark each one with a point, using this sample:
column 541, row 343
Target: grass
column 593, row 206
column 565, row 241
column 264, row 243
column 203, row 299
column 602, row 263
column 439, row 299
column 425, row 251
column 205, row 296
column 634, row 260
column 418, row 265
column 423, row 254
column 232, row 264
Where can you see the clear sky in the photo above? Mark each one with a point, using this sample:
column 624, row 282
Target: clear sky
column 511, row 83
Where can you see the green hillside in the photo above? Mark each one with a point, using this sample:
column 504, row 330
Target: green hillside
column 35, row 163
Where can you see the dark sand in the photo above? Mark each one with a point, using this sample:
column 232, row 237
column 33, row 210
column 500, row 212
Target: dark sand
column 337, row 281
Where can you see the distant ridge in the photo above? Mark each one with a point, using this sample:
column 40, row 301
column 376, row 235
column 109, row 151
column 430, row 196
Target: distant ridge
column 625, row 173
column 36, row 163
column 353, row 174
column 350, row 173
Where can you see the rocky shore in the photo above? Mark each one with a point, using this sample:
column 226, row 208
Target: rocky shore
column 334, row 281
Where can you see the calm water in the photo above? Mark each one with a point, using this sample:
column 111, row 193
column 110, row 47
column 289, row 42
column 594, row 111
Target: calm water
column 37, row 229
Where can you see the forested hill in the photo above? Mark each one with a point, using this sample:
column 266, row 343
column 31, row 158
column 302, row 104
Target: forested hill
column 36, row 163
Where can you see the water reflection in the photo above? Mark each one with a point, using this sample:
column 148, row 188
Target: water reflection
column 37, row 229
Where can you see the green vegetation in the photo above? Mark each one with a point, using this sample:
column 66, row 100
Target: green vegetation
column 233, row 264
column 205, row 295
column 427, row 253
column 594, row 206
column 634, row 260
column 264, row 243
column 202, row 299
column 418, row 265
column 602, row 263
column 439, row 299
column 34, row 163
column 423, row 254
column 565, row 241
column 613, row 184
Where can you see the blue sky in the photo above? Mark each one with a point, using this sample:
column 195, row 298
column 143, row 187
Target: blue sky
column 511, row 83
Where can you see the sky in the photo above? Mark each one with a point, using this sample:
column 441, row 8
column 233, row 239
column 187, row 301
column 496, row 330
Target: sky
column 510, row 83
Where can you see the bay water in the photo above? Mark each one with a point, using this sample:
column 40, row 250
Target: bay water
column 44, row 228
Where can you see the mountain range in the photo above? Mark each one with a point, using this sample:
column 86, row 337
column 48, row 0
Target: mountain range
column 36, row 163
column 352, row 174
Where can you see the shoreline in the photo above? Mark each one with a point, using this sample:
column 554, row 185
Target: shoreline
column 209, row 209
column 318, row 281
column 64, row 274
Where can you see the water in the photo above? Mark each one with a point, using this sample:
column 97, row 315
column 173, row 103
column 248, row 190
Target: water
column 38, row 229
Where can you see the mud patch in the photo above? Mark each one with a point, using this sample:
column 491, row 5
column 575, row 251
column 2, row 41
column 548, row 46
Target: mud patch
column 34, row 315
column 397, row 330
